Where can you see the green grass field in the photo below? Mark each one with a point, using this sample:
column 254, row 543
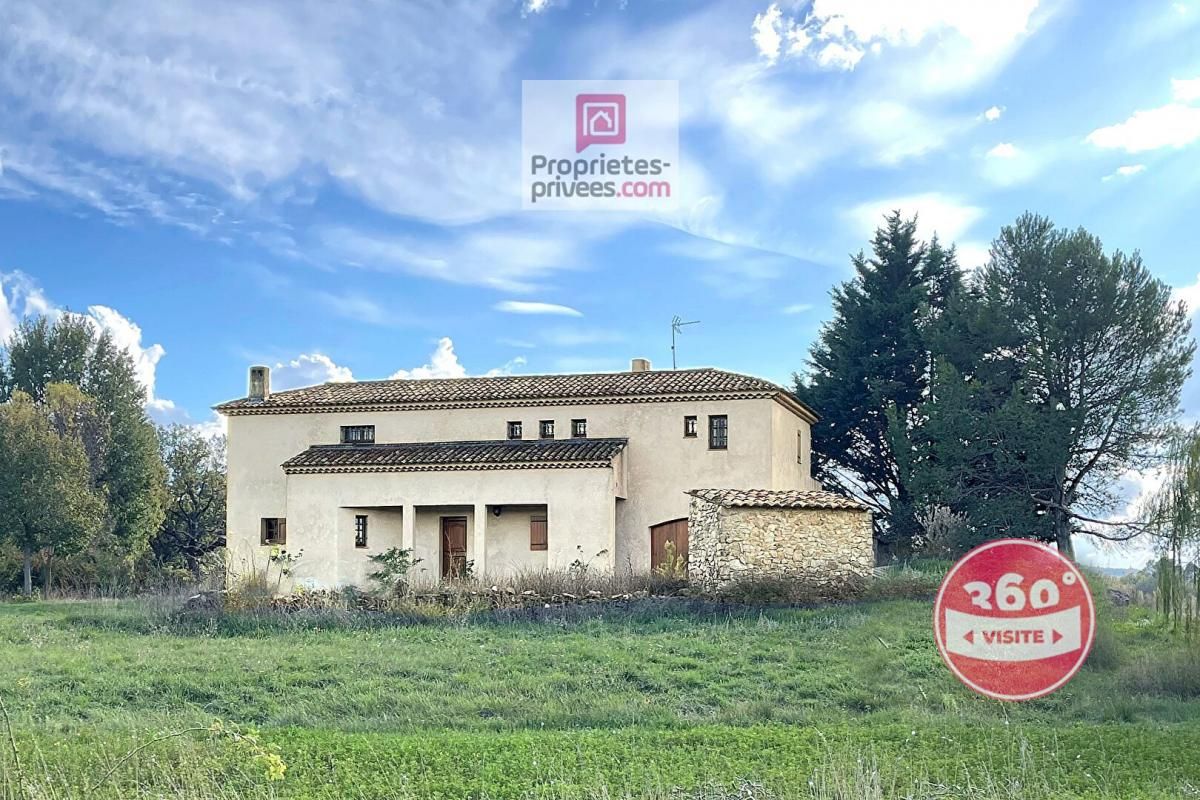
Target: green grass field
column 836, row 702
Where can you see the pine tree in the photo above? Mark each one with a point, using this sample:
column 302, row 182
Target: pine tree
column 869, row 374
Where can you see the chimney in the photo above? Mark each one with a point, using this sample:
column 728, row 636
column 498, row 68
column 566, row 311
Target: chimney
column 639, row 365
column 260, row 383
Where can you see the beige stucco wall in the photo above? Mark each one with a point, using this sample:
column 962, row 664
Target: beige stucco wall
column 580, row 507
column 819, row 546
column 652, row 474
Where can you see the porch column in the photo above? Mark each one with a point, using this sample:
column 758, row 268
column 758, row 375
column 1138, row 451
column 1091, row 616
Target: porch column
column 480, row 546
column 408, row 526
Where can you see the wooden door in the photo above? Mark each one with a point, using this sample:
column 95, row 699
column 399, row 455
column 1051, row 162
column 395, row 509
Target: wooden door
column 454, row 546
column 675, row 532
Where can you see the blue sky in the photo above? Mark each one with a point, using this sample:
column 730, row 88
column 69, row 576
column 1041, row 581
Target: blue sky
column 334, row 190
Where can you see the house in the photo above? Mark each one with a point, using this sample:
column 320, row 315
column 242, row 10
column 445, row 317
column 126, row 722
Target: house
column 499, row 474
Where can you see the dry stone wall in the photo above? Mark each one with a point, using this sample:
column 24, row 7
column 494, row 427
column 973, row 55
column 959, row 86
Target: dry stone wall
column 823, row 547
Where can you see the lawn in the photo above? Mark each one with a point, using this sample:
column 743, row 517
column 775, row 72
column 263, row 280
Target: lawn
column 842, row 702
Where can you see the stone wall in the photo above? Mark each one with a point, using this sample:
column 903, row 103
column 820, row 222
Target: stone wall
column 822, row 547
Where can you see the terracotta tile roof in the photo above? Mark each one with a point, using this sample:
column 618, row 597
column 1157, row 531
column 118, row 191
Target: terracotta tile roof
column 767, row 498
column 510, row 390
column 447, row 456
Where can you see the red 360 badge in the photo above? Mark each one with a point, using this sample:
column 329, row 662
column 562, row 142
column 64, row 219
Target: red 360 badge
column 1014, row 619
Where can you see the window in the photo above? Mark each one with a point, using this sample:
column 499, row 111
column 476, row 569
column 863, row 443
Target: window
column 358, row 434
column 538, row 539
column 546, row 429
column 579, row 428
column 799, row 447
column 273, row 530
column 689, row 427
column 360, row 530
column 718, row 432
column 515, row 430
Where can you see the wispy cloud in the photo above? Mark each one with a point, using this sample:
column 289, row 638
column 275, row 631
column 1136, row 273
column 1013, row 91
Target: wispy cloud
column 946, row 215
column 1126, row 171
column 529, row 307
column 798, row 308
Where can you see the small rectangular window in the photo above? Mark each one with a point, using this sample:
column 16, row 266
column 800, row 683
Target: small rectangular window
column 689, row 427
column 515, row 430
column 538, row 538
column 579, row 428
column 546, row 429
column 718, row 432
column 799, row 447
column 360, row 530
column 273, row 530
column 358, row 434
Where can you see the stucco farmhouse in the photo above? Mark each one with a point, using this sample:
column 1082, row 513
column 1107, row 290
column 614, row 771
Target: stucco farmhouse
column 496, row 475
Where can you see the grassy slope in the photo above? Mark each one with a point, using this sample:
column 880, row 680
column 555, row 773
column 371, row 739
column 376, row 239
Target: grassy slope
column 625, row 705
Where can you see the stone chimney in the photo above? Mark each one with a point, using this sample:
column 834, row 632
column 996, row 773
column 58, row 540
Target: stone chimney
column 639, row 365
column 260, row 383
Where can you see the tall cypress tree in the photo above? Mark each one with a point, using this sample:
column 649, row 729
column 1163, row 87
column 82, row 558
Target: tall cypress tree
column 869, row 374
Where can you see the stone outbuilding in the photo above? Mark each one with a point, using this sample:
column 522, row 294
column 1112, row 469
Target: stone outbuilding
column 815, row 536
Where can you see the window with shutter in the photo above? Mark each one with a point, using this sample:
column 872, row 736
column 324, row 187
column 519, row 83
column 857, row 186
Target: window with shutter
column 538, row 533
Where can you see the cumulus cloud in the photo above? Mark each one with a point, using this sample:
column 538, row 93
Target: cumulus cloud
column 443, row 363
column 1003, row 150
column 1175, row 124
column 949, row 217
column 308, row 369
column 524, row 307
column 837, row 34
column 127, row 335
column 993, row 113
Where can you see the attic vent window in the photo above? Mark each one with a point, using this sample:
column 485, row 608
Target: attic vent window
column 546, row 429
column 579, row 429
column 358, row 434
column 515, row 430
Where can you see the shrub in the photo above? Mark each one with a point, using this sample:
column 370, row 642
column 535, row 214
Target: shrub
column 393, row 565
column 1107, row 652
column 905, row 581
column 1174, row 674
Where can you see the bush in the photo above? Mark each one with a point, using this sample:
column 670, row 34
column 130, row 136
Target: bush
column 916, row 581
column 775, row 590
column 1107, row 652
column 1175, row 674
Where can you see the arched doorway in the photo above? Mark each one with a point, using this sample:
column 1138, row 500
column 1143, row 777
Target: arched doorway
column 675, row 532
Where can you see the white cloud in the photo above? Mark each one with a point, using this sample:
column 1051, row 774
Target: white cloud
column 127, row 335
column 1126, row 171
column 993, row 113
column 1185, row 90
column 507, row 368
column 308, row 369
column 944, row 215
column 1189, row 295
column 968, row 37
column 515, row 257
column 1173, row 125
column 242, row 100
column 1007, row 165
column 523, row 307
column 442, row 364
column 1003, row 150
column 20, row 297
column 771, row 32
column 972, row 254
column 798, row 308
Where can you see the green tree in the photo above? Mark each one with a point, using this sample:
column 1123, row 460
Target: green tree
column 1062, row 372
column 47, row 499
column 194, row 524
column 869, row 374
column 72, row 350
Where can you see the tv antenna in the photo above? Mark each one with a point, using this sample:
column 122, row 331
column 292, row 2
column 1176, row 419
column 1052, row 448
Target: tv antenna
column 677, row 324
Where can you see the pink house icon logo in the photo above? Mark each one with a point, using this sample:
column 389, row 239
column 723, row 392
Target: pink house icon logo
column 599, row 119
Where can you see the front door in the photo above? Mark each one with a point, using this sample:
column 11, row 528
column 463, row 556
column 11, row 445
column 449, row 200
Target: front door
column 676, row 534
column 454, row 547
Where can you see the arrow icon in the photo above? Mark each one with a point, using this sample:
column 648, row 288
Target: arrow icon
column 1055, row 636
column 970, row 636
